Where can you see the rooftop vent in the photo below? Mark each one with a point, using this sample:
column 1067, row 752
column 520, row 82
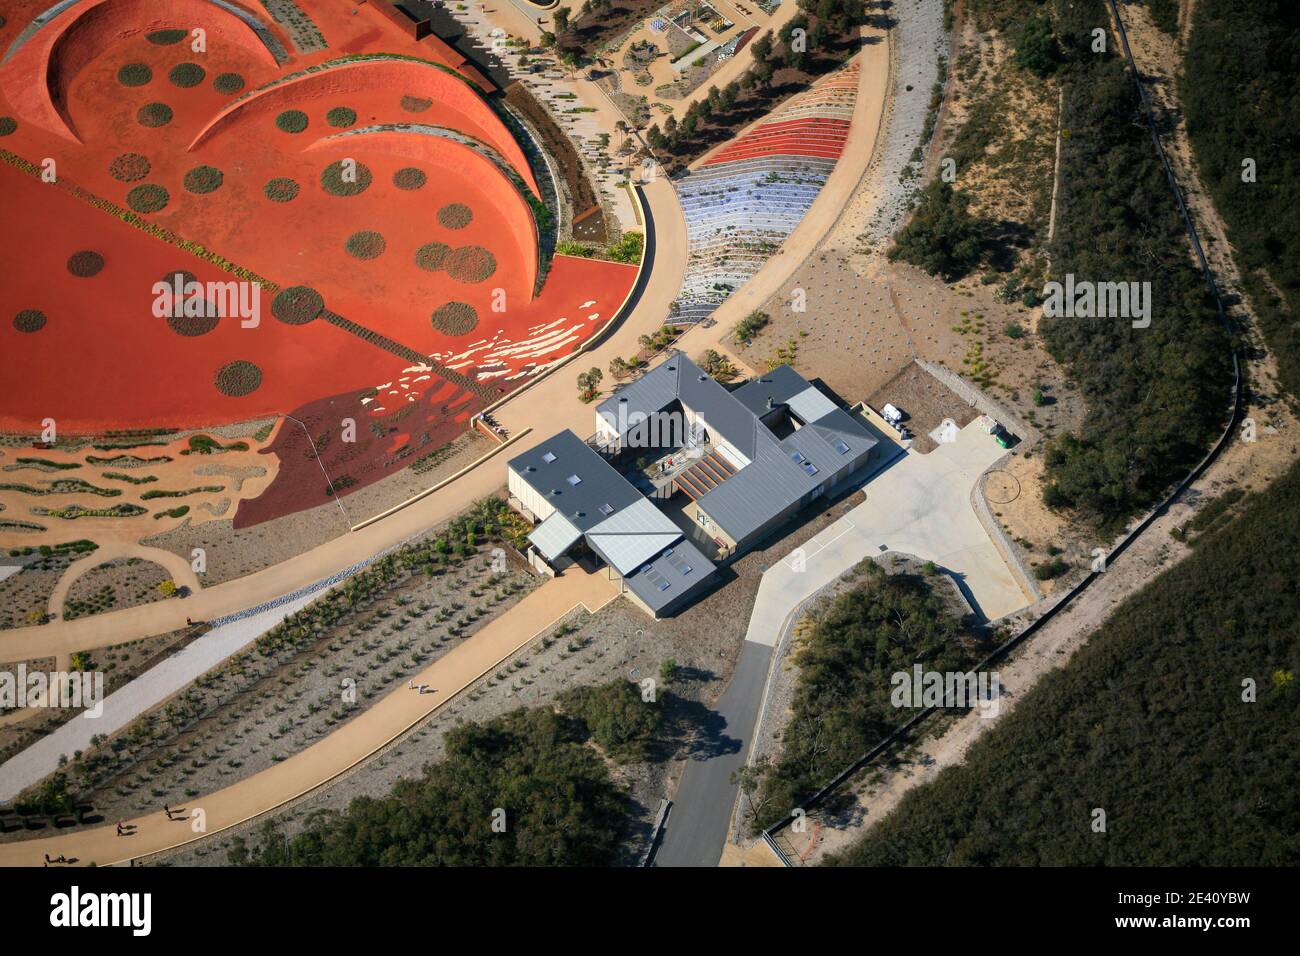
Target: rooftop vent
column 769, row 403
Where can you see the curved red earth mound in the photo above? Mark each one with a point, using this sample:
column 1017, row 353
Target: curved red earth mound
column 230, row 189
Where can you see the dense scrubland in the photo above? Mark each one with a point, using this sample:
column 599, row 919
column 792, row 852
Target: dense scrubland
column 1152, row 722
column 1239, row 98
column 1157, row 396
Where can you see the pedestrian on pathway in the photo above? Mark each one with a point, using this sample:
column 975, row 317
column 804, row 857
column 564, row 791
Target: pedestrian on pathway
column 167, row 810
column 120, row 831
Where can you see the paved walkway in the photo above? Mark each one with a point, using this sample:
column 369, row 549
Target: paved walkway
column 148, row 690
column 919, row 505
column 340, row 751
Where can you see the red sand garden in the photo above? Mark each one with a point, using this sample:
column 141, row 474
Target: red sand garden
column 378, row 202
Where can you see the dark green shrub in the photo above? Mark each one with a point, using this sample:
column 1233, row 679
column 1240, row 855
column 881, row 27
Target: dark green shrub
column 129, row 168
column 187, row 75
column 341, row 117
column 148, row 198
column 203, row 179
column 154, row 115
column 455, row 318
column 365, row 245
column 134, row 74
column 281, row 190
column 292, row 121
column 228, row 83
column 409, row 178
column 334, row 179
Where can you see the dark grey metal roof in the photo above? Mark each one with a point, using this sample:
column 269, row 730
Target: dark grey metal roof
column 599, row 483
column 678, row 378
column 780, row 472
column 780, row 384
column 675, row 572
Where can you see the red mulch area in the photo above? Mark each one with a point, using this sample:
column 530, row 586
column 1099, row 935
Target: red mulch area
column 102, row 360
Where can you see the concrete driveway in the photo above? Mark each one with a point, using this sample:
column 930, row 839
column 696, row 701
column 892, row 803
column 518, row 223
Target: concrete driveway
column 920, row 505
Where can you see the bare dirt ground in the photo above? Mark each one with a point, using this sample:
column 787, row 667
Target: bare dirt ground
column 232, row 554
column 925, row 402
column 124, row 582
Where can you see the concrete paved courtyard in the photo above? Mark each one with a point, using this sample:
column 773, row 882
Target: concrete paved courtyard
column 919, row 505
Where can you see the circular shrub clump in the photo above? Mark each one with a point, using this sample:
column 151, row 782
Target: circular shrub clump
column 7, row 125
column 154, row 115
column 430, row 256
column 203, row 179
column 415, row 104
column 281, row 190
column 228, row 83
column 470, row 264
column 166, row 37
column 292, row 121
column 341, row 117
column 366, row 245
column 186, row 277
column 333, row 179
column 455, row 318
column 455, row 216
column 297, row 305
column 238, row 378
column 194, row 325
column 186, row 75
column 129, row 168
column 29, row 320
column 409, row 178
column 148, row 198
column 85, row 264
column 134, row 74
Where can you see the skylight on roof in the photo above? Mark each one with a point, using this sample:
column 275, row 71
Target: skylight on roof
column 607, row 510
column 548, row 457
column 685, row 569
column 842, row 447
column 664, row 585
column 798, row 457
column 574, row 480
column 810, row 468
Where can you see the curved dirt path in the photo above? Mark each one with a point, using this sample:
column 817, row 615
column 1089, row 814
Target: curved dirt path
column 342, row 750
column 182, row 574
